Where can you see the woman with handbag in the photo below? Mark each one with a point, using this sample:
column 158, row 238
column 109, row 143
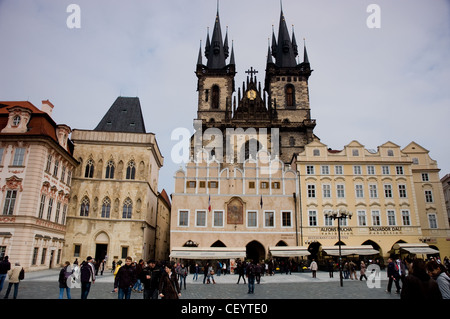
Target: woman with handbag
column 168, row 285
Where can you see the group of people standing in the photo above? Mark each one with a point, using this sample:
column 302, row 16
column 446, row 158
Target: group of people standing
column 14, row 274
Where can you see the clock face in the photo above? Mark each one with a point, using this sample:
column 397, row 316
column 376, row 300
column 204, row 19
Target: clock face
column 251, row 94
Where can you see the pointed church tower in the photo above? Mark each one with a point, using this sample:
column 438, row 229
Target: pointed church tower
column 215, row 84
column 286, row 84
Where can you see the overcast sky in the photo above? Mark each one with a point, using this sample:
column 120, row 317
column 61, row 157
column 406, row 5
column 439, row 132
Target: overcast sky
column 372, row 85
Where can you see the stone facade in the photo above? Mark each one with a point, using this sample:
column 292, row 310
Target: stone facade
column 114, row 202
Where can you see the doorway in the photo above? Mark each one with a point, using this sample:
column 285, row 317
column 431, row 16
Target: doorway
column 100, row 252
column 255, row 251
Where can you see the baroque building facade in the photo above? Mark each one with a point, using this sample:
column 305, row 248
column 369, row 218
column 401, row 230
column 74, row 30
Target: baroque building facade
column 114, row 210
column 254, row 185
column 36, row 169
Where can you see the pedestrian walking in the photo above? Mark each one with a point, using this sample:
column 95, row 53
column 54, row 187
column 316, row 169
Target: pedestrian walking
column 205, row 271
column 251, row 274
column 393, row 275
column 150, row 277
column 102, row 267
column 440, row 273
column 196, row 270
column 313, row 267
column 5, row 266
column 241, row 271
column 139, row 266
column 168, row 285
column 346, row 270
column 74, row 281
column 125, row 279
column 330, row 267
column 182, row 273
column 224, row 268
column 87, row 276
column 15, row 275
column 419, row 285
column 64, row 280
column 352, row 268
column 362, row 271
column 210, row 274
column 258, row 271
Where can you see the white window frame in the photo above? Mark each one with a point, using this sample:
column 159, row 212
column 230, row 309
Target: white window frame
column 376, row 214
column 179, row 215
column 389, row 223
column 407, row 214
column 197, row 211
column 312, row 214
column 290, row 218
column 214, row 218
column 248, row 219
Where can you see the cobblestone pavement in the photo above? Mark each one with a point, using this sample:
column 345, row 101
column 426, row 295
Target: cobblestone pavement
column 44, row 285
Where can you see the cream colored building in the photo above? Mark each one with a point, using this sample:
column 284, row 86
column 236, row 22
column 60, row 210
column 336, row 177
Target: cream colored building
column 114, row 198
column 394, row 194
column 446, row 188
column 36, row 166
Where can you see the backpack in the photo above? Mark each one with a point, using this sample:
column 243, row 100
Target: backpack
column 22, row 274
column 85, row 272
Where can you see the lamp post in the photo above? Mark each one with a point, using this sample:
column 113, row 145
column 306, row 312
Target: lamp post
column 339, row 215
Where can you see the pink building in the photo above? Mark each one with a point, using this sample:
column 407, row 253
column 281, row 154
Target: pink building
column 36, row 166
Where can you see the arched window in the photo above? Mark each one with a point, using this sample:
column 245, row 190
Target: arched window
column 110, row 170
column 290, row 95
column 131, row 170
column 84, row 211
column 215, row 97
column 106, row 208
column 127, row 208
column 89, row 172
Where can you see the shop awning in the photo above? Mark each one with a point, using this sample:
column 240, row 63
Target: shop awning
column 363, row 250
column 418, row 248
column 289, row 251
column 208, row 252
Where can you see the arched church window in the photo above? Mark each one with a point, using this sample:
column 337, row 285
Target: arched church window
column 110, row 170
column 290, row 95
column 215, row 97
column 131, row 170
column 106, row 208
column 89, row 172
column 127, row 208
column 84, row 211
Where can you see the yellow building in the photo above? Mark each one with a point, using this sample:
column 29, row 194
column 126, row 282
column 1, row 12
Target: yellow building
column 394, row 195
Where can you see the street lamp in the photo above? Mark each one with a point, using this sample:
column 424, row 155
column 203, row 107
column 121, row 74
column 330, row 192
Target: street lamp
column 339, row 214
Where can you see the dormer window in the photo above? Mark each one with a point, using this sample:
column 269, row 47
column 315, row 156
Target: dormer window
column 16, row 120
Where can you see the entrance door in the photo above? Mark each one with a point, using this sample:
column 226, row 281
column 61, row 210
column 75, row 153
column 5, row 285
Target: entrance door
column 100, row 252
column 255, row 251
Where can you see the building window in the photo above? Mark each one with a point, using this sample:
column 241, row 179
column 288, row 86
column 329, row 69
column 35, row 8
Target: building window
column 35, row 255
column 391, row 218
column 425, row 177
column 218, row 218
column 215, row 97
column 200, row 219
column 415, row 161
column 63, row 173
column 63, row 218
column 69, row 177
column 127, row 208
column 131, row 170
column 390, row 153
column 269, row 219
column 76, row 250
column 385, row 170
column 110, row 170
column 124, row 252
column 355, row 152
column 326, row 191
column 49, row 163
column 432, row 220
column 106, row 208
column 43, row 256
column 276, row 185
column 373, row 192
column 357, row 170
column 370, row 170
column 338, row 170
column 89, row 171
column 316, row 152
column 429, row 196
column 213, row 184
column 251, row 184
column 325, row 170
column 264, row 185
column 362, row 218
column 55, row 168
column 376, row 219
column 328, row 221
column 19, row 155
column 402, row 191
column 312, row 218
column 252, row 219
column 290, row 95
column 387, row 190
column 340, row 191
column 50, row 208
column 406, row 219
column 41, row 206
column 10, row 201
column 2, row 150
column 183, row 218
column 58, row 209
column 310, row 170
column 191, row 184
column 16, row 120
column 311, row 191
column 399, row 170
column 359, row 191
column 286, row 219
column 84, row 210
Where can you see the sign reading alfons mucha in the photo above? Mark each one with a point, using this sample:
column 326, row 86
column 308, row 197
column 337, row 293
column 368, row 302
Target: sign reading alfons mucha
column 235, row 211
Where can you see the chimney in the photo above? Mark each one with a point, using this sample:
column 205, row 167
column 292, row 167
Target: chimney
column 47, row 107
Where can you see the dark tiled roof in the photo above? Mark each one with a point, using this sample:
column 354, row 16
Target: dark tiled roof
column 125, row 115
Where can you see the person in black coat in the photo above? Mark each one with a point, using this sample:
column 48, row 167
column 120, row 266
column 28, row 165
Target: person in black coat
column 64, row 274
column 125, row 279
column 150, row 277
column 393, row 275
